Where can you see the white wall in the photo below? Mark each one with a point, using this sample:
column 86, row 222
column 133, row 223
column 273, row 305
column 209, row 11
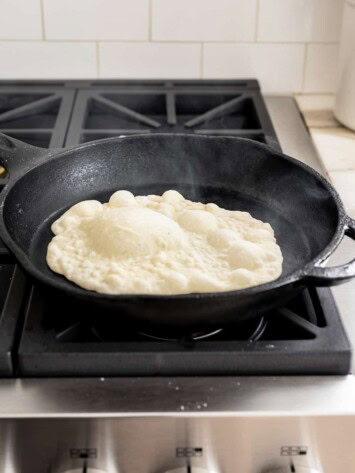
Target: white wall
column 289, row 45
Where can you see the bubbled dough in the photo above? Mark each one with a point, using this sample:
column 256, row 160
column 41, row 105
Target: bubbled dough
column 162, row 245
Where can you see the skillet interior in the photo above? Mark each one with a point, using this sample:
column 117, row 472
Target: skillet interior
column 234, row 173
column 294, row 243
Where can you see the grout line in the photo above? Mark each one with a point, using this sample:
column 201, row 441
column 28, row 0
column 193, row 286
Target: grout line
column 323, row 43
column 201, row 60
column 97, row 59
column 256, row 21
column 42, row 20
column 150, row 26
column 25, row 40
column 93, row 40
column 304, row 67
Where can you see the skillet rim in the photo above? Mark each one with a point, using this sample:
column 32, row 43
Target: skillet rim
column 294, row 277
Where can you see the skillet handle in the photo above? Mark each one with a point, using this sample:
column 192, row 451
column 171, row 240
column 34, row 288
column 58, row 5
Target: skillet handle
column 319, row 276
column 17, row 156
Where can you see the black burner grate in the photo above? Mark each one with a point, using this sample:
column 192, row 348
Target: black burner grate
column 38, row 115
column 203, row 107
column 63, row 337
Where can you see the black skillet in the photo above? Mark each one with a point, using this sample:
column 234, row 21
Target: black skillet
column 303, row 208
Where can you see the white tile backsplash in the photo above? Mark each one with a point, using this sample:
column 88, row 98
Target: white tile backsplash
column 299, row 20
column 285, row 20
column 203, row 20
column 262, row 39
column 321, row 68
column 278, row 66
column 96, row 19
column 20, row 19
column 47, row 60
column 150, row 60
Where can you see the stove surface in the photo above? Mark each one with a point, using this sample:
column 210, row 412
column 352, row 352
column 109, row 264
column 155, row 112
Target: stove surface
column 48, row 335
column 62, row 337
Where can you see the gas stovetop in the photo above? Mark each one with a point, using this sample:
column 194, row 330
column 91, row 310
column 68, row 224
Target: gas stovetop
column 43, row 333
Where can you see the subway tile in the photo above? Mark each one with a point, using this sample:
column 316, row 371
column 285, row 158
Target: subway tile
column 47, row 60
column 285, row 20
column 20, row 19
column 321, row 68
column 327, row 20
column 203, row 20
column 277, row 66
column 299, row 20
column 149, row 60
column 96, row 19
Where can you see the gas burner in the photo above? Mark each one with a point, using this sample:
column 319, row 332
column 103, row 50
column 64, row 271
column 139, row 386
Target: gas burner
column 110, row 333
column 164, row 337
column 250, row 330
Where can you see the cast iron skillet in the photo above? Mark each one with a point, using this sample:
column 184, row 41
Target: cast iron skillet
column 303, row 208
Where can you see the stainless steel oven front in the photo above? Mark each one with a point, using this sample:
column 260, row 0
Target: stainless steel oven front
column 159, row 444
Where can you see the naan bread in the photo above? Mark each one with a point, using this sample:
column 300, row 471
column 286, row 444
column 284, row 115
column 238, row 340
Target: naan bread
column 161, row 245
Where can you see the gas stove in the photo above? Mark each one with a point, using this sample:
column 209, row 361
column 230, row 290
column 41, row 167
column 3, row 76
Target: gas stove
column 56, row 360
column 57, row 337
